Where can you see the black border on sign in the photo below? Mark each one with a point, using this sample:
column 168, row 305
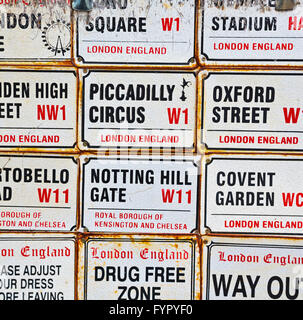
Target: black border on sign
column 44, row 157
column 239, row 232
column 203, row 108
column 226, row 244
column 130, row 146
column 39, row 238
column 153, row 159
column 251, row 60
column 100, row 63
column 192, row 242
column 37, row 146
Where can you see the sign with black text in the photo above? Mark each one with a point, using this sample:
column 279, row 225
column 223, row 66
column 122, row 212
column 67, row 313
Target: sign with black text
column 133, row 109
column 140, row 268
column 136, row 32
column 38, row 192
column 140, row 194
column 252, row 269
column 252, row 110
column 253, row 194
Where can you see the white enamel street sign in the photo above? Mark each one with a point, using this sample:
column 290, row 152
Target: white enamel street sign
column 140, row 195
column 138, row 32
column 37, row 267
column 252, row 111
column 137, row 268
column 250, row 33
column 38, row 108
column 38, row 192
column 252, row 269
column 253, row 194
column 138, row 109
column 35, row 31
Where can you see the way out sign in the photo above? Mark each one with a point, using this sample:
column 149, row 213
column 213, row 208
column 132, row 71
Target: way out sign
column 139, row 268
column 140, row 194
column 252, row 269
column 38, row 108
column 39, row 267
column 252, row 110
column 38, row 192
column 250, row 32
column 136, row 32
column 254, row 194
column 138, row 109
column 35, row 32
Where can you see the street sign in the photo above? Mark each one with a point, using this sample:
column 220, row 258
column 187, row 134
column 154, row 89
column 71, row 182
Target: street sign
column 38, row 192
column 38, row 108
column 35, row 31
column 140, row 268
column 122, row 32
column 138, row 109
column 252, row 269
column 252, row 111
column 140, row 194
column 37, row 267
column 250, row 33
column 253, row 194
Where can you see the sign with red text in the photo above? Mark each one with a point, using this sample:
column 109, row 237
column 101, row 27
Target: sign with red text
column 136, row 32
column 252, row 269
column 250, row 32
column 37, row 268
column 35, row 31
column 38, row 109
column 133, row 109
column 140, row 195
column 38, row 193
column 253, row 194
column 254, row 111
column 136, row 268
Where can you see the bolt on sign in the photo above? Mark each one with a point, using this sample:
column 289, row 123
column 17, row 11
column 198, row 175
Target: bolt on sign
column 123, row 32
column 252, row 269
column 41, row 29
column 121, row 109
column 252, row 111
column 251, row 33
column 140, row 268
column 253, row 194
column 38, row 192
column 117, row 193
column 38, row 108
column 37, row 267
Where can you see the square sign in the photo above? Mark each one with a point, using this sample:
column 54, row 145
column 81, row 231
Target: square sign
column 140, row 268
column 124, row 32
column 251, row 33
column 33, row 31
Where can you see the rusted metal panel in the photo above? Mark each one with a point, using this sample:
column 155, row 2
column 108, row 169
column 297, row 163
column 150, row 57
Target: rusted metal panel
column 138, row 110
column 252, row 269
column 35, row 31
column 38, row 109
column 136, row 33
column 141, row 268
column 38, row 192
column 37, row 267
column 139, row 194
column 256, row 194
column 253, row 110
column 249, row 33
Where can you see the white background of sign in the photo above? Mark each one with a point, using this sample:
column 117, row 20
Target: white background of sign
column 283, row 178
column 157, row 114
column 179, row 45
